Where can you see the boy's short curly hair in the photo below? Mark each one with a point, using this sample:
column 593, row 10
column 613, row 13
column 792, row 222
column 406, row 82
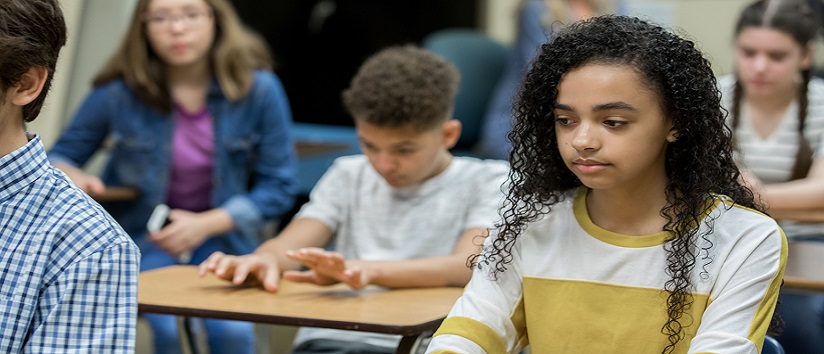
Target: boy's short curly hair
column 403, row 86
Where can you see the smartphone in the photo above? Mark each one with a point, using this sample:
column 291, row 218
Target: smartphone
column 159, row 218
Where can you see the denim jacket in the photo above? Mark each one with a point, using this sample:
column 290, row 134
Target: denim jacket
column 254, row 174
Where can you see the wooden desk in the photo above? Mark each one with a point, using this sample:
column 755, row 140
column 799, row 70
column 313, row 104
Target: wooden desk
column 177, row 290
column 805, row 215
column 805, row 266
column 115, row 194
column 306, row 149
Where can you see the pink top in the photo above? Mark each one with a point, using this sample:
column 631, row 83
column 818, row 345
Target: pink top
column 190, row 183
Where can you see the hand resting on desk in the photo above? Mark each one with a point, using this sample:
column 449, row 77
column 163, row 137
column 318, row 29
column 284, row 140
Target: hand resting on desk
column 299, row 245
column 325, row 268
column 251, row 268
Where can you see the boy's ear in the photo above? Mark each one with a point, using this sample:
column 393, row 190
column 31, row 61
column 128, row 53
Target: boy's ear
column 29, row 86
column 451, row 133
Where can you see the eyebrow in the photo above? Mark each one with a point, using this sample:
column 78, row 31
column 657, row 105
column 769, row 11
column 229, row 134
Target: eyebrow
column 601, row 107
column 404, row 143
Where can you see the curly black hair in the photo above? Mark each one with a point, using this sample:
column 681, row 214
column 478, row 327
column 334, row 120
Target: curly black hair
column 699, row 165
column 403, row 85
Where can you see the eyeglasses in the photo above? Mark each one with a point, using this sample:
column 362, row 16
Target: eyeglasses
column 191, row 18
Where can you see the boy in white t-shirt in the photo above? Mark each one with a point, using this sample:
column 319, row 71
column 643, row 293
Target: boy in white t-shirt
column 406, row 213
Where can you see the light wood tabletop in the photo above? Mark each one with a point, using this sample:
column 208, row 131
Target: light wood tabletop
column 115, row 194
column 177, row 290
column 805, row 215
column 805, row 266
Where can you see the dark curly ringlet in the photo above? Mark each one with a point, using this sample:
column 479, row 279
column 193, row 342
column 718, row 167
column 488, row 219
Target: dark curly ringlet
column 699, row 165
column 403, row 86
column 31, row 35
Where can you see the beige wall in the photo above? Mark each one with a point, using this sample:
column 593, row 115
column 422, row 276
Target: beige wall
column 96, row 27
column 48, row 123
column 708, row 22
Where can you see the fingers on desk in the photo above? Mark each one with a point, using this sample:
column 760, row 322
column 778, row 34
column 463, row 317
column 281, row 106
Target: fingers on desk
column 250, row 268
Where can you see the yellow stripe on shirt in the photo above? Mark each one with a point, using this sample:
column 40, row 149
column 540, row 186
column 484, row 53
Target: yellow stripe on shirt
column 474, row 331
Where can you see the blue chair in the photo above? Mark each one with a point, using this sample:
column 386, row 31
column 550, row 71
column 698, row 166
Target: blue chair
column 318, row 145
column 480, row 61
column 771, row 346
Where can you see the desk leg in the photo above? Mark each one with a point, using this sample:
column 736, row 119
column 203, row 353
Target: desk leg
column 407, row 344
column 187, row 339
column 411, row 344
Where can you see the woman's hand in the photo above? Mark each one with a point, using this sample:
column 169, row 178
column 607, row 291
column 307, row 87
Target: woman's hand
column 188, row 230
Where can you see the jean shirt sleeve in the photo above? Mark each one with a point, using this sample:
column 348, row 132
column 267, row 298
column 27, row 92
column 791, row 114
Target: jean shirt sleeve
column 274, row 171
column 86, row 131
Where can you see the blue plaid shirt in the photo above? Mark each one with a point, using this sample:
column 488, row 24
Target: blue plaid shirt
column 68, row 272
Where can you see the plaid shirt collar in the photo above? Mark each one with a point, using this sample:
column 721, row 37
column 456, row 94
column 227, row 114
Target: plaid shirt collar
column 22, row 167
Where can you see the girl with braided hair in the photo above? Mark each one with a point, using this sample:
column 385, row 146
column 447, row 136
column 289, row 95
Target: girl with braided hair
column 777, row 113
column 625, row 228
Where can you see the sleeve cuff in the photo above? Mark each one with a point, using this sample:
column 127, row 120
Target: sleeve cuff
column 246, row 216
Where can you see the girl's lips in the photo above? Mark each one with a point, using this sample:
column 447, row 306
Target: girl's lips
column 179, row 47
column 758, row 82
column 590, row 167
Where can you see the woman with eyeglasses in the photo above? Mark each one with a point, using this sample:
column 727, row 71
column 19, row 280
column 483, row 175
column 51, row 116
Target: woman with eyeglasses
column 195, row 120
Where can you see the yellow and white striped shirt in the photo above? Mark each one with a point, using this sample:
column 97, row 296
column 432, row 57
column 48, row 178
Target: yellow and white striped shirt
column 573, row 287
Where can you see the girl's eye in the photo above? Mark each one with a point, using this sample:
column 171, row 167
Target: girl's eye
column 406, row 152
column 614, row 123
column 563, row 120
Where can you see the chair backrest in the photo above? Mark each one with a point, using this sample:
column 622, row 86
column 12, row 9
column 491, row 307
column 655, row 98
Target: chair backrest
column 481, row 61
column 771, row 346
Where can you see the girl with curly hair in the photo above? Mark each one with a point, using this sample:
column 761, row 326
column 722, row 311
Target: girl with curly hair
column 777, row 113
column 625, row 228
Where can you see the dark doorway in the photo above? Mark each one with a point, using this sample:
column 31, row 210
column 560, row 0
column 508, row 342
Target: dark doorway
column 319, row 44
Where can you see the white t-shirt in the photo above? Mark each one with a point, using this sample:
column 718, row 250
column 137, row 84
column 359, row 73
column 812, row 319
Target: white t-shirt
column 374, row 221
column 772, row 158
column 573, row 287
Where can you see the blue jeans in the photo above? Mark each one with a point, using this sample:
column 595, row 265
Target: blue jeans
column 223, row 336
column 330, row 346
column 803, row 316
column 803, row 323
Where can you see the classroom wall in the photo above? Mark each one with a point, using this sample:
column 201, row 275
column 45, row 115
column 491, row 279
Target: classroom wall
column 47, row 123
column 96, row 27
column 709, row 22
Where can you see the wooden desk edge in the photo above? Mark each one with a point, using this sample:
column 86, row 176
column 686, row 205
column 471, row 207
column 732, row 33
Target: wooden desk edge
column 115, row 194
column 804, row 215
column 791, row 282
column 411, row 330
